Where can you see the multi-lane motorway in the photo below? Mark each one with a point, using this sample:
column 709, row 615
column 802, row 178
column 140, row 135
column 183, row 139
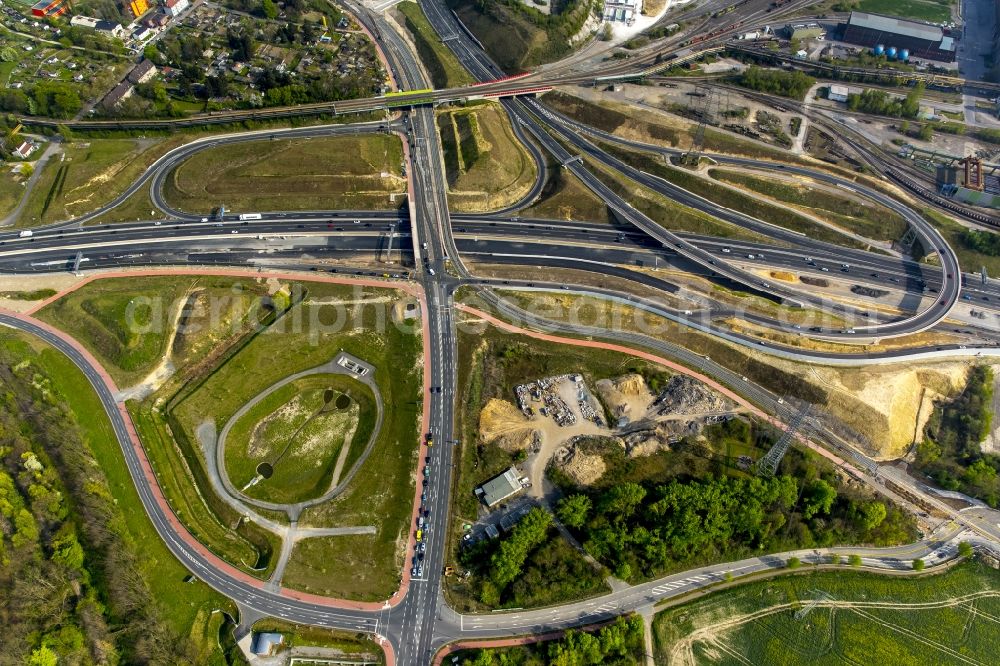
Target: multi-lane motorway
column 419, row 622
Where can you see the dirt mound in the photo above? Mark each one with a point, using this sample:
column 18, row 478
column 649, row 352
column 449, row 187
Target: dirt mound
column 626, row 396
column 685, row 395
column 502, row 423
column 583, row 468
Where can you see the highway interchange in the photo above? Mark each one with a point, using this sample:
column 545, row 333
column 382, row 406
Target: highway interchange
column 438, row 245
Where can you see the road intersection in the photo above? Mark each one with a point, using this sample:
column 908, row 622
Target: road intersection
column 417, row 622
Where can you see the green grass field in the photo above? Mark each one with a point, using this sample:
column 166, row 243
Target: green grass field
column 564, row 197
column 93, row 172
column 341, row 566
column 222, row 360
column 300, row 434
column 186, row 607
column 127, row 324
column 442, row 65
column 357, row 645
column 487, row 167
column 354, row 172
column 770, row 621
column 934, row 11
column 11, row 191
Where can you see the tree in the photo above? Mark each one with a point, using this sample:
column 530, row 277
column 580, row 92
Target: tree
column 965, row 549
column 926, row 132
column 871, row 514
column 43, row 656
column 818, row 497
column 854, row 560
column 269, row 9
column 151, row 53
column 793, row 562
column 918, row 564
column 572, row 511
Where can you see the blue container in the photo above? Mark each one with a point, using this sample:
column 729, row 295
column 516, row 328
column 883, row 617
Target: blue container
column 904, row 54
column 879, row 50
column 891, row 52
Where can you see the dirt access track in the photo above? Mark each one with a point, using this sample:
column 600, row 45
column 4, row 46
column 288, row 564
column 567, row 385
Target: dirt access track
column 149, row 477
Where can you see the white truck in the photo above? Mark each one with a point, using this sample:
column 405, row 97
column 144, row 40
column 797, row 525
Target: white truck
column 25, row 234
column 249, row 216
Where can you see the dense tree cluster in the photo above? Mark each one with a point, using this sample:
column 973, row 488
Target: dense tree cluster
column 879, row 102
column 777, row 82
column 69, row 582
column 986, row 242
column 46, row 98
column 951, row 453
column 532, row 565
column 618, row 644
column 687, row 514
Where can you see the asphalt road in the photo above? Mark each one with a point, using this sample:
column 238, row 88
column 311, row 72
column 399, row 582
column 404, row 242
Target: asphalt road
column 421, row 622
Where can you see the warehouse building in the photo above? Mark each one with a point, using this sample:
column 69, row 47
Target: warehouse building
column 499, row 488
column 921, row 40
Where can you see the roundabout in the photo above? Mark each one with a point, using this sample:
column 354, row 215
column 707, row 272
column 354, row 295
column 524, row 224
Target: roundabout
column 298, row 442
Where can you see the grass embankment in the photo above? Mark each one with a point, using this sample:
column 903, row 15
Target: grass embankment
column 356, row 646
column 35, row 295
column 564, row 197
column 487, row 167
column 354, row 172
column 441, row 64
column 651, row 127
column 729, row 198
column 125, row 325
column 664, row 211
column 517, row 36
column 188, row 609
column 866, row 219
column 11, row 191
column 92, row 173
column 299, row 431
column 305, row 336
column 236, row 341
column 770, row 622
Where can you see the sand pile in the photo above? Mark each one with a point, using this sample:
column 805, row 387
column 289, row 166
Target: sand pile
column 626, row 396
column 503, row 424
column 583, row 468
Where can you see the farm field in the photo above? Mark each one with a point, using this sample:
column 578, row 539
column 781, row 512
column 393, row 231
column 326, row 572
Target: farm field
column 487, row 167
column 322, row 173
column 839, row 617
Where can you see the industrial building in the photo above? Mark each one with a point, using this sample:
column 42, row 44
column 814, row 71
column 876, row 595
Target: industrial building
column 799, row 31
column 499, row 488
column 895, row 35
column 838, row 93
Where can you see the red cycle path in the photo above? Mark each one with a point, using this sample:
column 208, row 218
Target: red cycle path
column 147, row 470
